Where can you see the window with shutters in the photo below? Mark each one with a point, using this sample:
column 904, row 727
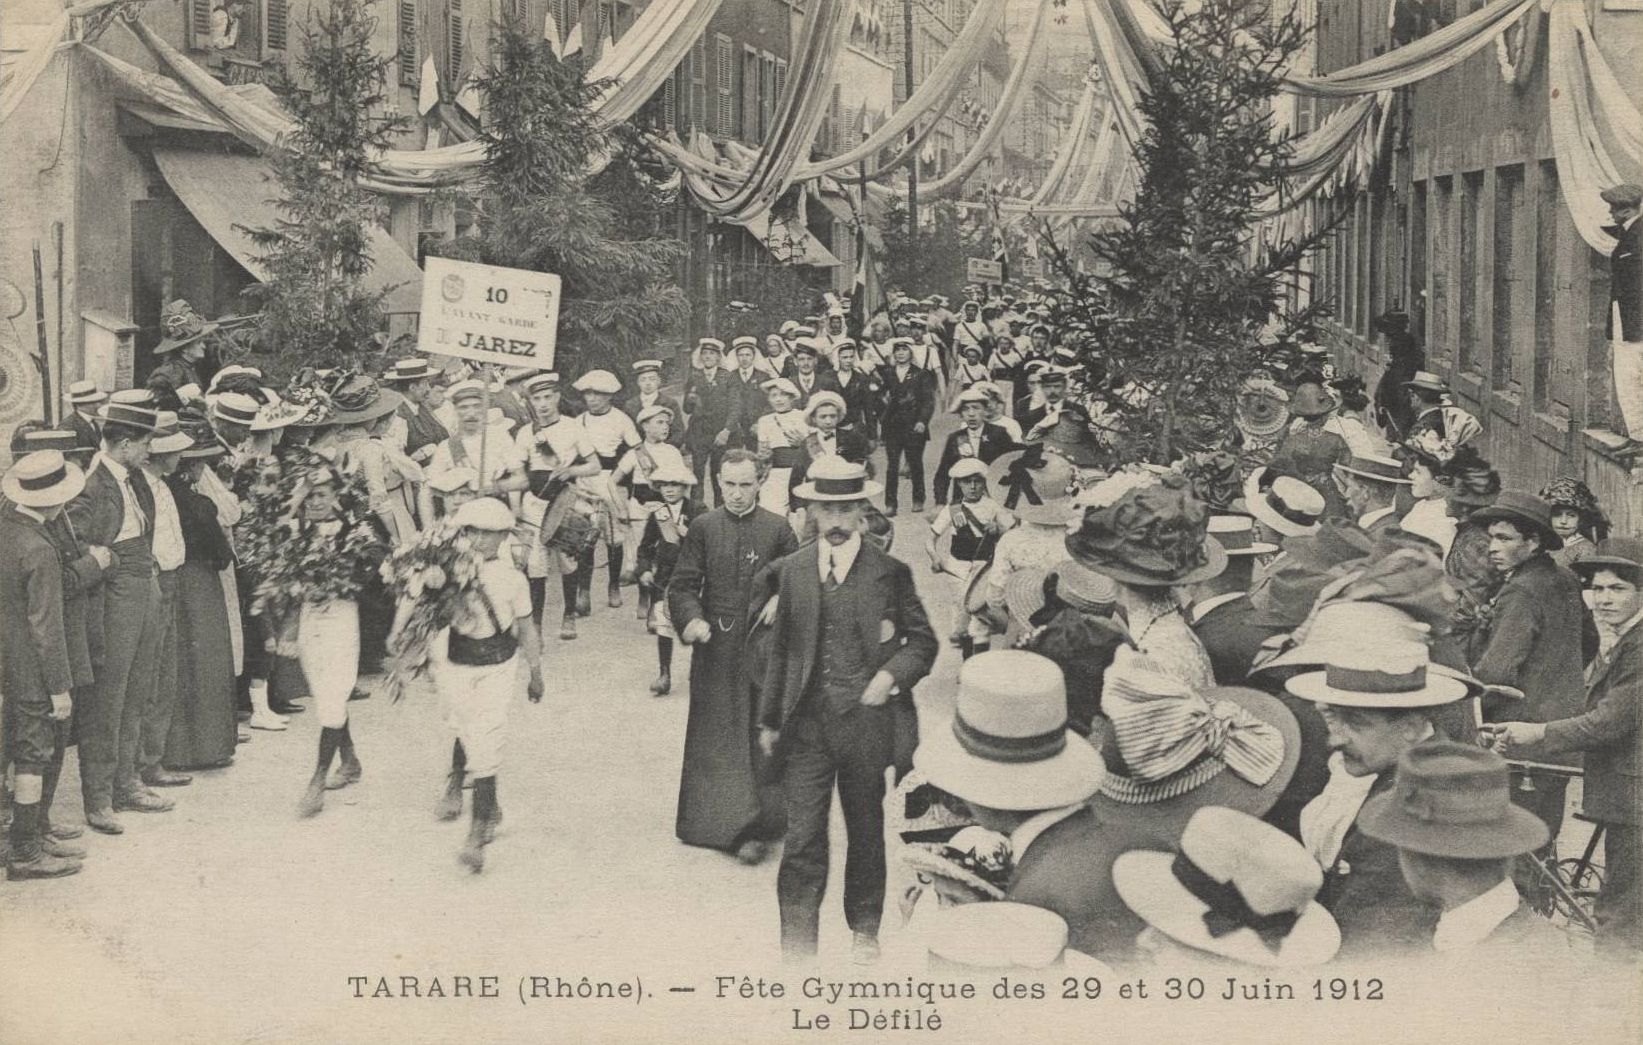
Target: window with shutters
column 1548, row 209
column 781, row 80
column 453, row 43
column 408, row 57
column 199, row 24
column 696, row 109
column 1471, row 228
column 767, row 95
column 724, row 82
column 277, row 26
column 670, row 100
column 1503, row 331
column 750, row 96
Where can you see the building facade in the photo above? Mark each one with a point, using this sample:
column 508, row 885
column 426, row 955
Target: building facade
column 1466, row 228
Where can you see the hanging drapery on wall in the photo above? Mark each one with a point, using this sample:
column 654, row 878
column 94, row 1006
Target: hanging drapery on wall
column 1517, row 68
column 1413, row 62
column 798, row 117
column 1121, row 67
column 646, row 55
column 1022, row 73
column 1073, row 153
column 29, row 67
column 1589, row 112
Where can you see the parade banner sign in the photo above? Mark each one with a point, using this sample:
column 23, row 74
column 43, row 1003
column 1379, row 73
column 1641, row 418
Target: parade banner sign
column 984, row 270
column 488, row 314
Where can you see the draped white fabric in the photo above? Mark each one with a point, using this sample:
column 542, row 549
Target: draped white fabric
column 1413, row 62
column 1589, row 112
column 28, row 68
column 647, row 54
column 797, row 119
column 1021, row 74
column 1074, row 147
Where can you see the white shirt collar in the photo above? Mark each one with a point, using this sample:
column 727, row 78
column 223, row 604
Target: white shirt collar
column 1029, row 829
column 1472, row 922
column 115, row 468
column 841, row 558
column 1371, row 518
column 29, row 513
column 1629, row 625
column 1200, row 610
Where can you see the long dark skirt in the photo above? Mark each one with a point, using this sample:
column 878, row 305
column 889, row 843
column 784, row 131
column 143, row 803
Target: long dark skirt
column 722, row 800
column 203, row 728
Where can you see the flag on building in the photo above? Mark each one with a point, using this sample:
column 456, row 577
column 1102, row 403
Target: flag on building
column 428, row 93
column 550, row 33
column 573, row 42
column 1001, row 252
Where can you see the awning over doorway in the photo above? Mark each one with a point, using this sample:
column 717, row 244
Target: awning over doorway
column 789, row 242
column 227, row 192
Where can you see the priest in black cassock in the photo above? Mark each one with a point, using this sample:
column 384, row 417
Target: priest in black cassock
column 721, row 802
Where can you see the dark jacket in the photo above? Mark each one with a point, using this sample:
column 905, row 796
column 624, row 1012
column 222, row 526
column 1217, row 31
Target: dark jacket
column 751, row 404
column 1625, row 283
column 821, row 381
column 85, row 430
column 995, row 442
column 1607, row 734
column 1232, row 637
column 1365, row 891
column 893, row 634
column 906, row 404
column 99, row 510
column 714, row 406
column 861, row 401
column 1532, row 641
column 1068, row 869
column 82, row 578
column 659, row 549
column 203, row 538
column 1029, row 417
column 851, row 445
column 36, row 662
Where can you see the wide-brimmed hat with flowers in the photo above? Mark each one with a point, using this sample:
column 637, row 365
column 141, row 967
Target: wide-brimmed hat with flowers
column 1566, row 491
column 361, row 400
column 1146, row 529
column 1035, row 484
column 1170, row 751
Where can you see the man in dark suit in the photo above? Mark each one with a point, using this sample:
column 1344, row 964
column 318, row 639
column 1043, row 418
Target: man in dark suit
column 828, row 438
column 647, row 380
column 1456, row 833
column 748, row 381
column 116, row 511
column 715, row 410
column 1533, row 638
column 860, row 391
column 1222, row 616
column 34, row 655
column 904, row 423
column 84, row 397
column 977, row 438
column 1036, row 421
column 849, row 641
column 806, row 375
column 1368, row 490
column 1378, row 702
column 1624, row 316
column 1606, row 733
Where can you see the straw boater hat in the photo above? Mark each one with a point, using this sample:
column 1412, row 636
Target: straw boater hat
column 1238, row 888
column 1427, row 381
column 1522, row 509
column 1376, row 468
column 788, row 328
column 1453, row 800
column 235, row 408
column 484, row 513
column 42, row 479
column 821, row 399
column 781, row 384
column 672, row 472
column 745, row 341
column 805, row 346
column 133, row 407
column 1035, row 484
column 653, row 410
column 84, row 395
column 28, row 440
column 646, row 366
column 465, row 389
column 408, row 370
column 547, row 381
column 169, row 438
column 1146, row 529
column 1076, row 585
column 832, row 478
column 601, row 381
column 973, row 394
column 1009, row 746
column 1171, row 751
column 1001, row 936
column 1392, row 676
column 1236, row 535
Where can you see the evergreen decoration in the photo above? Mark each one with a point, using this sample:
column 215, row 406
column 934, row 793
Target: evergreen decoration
column 1186, row 292
column 314, row 310
column 935, row 259
column 537, row 208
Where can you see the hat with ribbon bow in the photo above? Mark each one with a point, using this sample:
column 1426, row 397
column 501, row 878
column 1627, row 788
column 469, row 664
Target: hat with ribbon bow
column 1238, row 888
column 1170, row 750
column 1035, row 484
column 1454, row 800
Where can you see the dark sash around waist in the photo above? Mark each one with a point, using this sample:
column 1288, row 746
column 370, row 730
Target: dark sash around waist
column 136, row 555
column 608, row 462
column 785, row 456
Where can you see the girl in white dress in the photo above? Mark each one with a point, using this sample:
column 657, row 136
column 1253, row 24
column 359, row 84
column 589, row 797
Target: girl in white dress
column 781, row 434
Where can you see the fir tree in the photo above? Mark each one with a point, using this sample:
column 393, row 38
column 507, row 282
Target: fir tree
column 1174, row 317
column 537, row 208
column 314, row 310
column 934, row 260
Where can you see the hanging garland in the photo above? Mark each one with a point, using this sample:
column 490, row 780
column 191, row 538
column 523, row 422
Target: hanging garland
column 1517, row 50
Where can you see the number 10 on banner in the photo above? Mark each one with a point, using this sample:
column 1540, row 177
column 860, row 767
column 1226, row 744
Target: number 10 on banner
column 489, row 314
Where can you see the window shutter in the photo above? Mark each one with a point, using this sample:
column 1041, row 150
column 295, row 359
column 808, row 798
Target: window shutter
column 199, row 24
column 726, row 71
column 453, row 65
column 696, row 105
column 670, row 101
column 750, row 95
column 781, row 80
column 279, row 18
column 407, row 42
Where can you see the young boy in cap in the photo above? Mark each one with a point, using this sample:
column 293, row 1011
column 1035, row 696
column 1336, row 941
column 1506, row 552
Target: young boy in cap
column 634, row 473
column 976, row 438
column 975, row 521
column 37, row 672
column 647, row 382
column 559, row 461
column 806, row 376
column 665, row 523
column 904, row 422
column 781, row 435
column 476, row 677
column 610, row 432
column 712, row 403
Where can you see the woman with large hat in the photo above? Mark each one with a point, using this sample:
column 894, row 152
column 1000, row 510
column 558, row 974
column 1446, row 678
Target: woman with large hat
column 1037, row 487
column 1309, row 450
column 363, row 412
column 1147, row 531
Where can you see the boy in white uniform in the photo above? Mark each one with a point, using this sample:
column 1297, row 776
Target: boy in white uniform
column 476, row 677
column 611, row 432
column 556, row 450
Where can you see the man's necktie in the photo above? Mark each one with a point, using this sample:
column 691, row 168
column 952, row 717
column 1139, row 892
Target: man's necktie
column 830, row 583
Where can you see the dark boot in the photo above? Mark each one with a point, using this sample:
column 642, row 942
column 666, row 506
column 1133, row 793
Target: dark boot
column 348, row 768
column 614, row 568
column 450, row 804
column 572, row 586
column 28, row 857
column 494, row 821
column 313, row 799
column 584, row 585
column 48, row 791
column 472, row 854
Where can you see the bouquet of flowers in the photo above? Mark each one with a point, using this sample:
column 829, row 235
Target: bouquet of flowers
column 432, row 579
